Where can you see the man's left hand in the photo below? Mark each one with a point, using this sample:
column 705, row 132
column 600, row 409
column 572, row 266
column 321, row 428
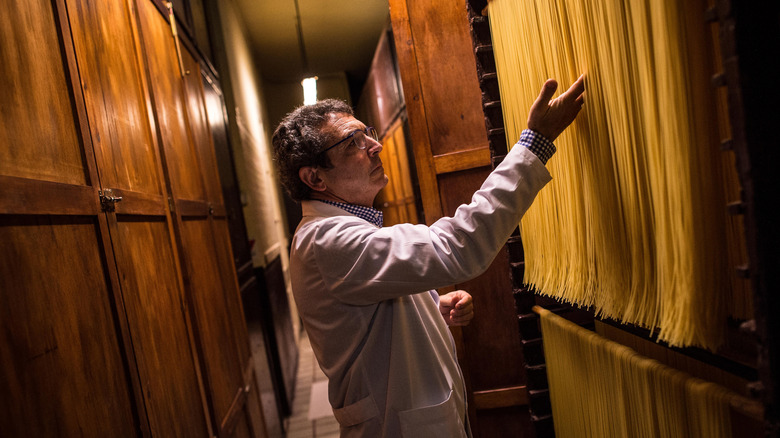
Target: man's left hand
column 457, row 308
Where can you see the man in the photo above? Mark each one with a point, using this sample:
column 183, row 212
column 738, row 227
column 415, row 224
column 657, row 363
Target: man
column 366, row 293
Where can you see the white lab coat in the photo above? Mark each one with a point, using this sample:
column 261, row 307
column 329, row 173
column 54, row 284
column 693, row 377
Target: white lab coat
column 365, row 297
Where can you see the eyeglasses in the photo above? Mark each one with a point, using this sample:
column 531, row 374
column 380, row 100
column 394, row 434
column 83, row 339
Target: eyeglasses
column 360, row 138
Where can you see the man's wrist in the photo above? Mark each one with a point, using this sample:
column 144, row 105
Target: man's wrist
column 538, row 144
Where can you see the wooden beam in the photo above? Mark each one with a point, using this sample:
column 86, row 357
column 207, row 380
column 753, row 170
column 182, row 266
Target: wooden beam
column 138, row 203
column 462, row 160
column 415, row 107
column 501, row 398
column 29, row 196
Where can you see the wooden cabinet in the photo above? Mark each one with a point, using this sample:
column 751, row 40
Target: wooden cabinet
column 450, row 143
column 119, row 304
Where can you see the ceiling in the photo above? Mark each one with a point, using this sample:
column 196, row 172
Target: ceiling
column 301, row 38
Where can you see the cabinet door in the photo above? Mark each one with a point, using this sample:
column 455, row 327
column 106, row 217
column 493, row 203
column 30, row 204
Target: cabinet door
column 190, row 171
column 64, row 366
column 234, row 245
column 221, row 323
column 155, row 310
column 180, row 158
column 262, row 419
column 110, row 58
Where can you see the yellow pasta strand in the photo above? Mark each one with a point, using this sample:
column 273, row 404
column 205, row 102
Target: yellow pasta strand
column 634, row 223
column 602, row 389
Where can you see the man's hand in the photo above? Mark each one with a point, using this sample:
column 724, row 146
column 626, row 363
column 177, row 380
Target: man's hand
column 551, row 117
column 456, row 308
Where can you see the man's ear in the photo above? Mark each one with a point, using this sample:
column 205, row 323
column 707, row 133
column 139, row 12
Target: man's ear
column 310, row 177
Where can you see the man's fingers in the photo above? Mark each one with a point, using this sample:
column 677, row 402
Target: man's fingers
column 461, row 319
column 548, row 116
column 460, row 310
column 576, row 89
column 463, row 307
column 546, row 94
column 464, row 304
column 460, row 315
column 460, row 296
column 575, row 92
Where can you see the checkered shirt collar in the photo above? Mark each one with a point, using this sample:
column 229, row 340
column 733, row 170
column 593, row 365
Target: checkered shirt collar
column 368, row 214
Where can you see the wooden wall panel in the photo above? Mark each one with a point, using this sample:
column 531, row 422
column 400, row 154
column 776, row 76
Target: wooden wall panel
column 381, row 101
column 38, row 126
column 512, row 421
column 62, row 368
column 494, row 350
column 397, row 200
column 111, row 77
column 448, row 79
column 215, row 111
column 212, row 284
column 155, row 312
column 416, row 110
column 231, row 294
column 388, row 198
column 201, row 135
column 406, row 185
column 169, row 106
column 222, row 366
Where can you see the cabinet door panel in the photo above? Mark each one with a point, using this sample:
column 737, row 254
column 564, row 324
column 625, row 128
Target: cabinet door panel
column 61, row 365
column 450, row 110
column 212, row 315
column 216, row 114
column 232, row 295
column 180, row 158
column 38, row 124
column 201, row 136
column 105, row 46
column 152, row 296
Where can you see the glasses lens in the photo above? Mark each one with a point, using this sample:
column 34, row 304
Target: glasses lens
column 360, row 140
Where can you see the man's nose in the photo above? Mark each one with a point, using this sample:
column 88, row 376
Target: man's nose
column 374, row 147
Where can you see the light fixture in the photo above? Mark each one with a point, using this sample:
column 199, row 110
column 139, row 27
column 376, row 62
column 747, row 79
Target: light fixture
column 309, row 90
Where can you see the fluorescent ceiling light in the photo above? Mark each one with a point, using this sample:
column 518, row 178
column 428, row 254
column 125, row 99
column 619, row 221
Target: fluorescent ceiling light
column 309, row 90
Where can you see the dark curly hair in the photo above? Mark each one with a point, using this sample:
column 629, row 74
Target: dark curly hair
column 299, row 138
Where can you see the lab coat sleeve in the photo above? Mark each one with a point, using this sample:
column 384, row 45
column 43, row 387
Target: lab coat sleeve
column 361, row 264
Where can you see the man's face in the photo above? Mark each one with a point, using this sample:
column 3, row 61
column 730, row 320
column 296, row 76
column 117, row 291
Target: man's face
column 357, row 175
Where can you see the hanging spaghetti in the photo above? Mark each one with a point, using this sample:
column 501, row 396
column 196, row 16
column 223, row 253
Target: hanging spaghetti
column 634, row 223
column 599, row 388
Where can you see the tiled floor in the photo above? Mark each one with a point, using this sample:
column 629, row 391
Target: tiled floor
column 300, row 424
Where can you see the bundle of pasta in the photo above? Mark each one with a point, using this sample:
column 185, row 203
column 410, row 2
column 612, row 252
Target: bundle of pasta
column 634, row 223
column 599, row 388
